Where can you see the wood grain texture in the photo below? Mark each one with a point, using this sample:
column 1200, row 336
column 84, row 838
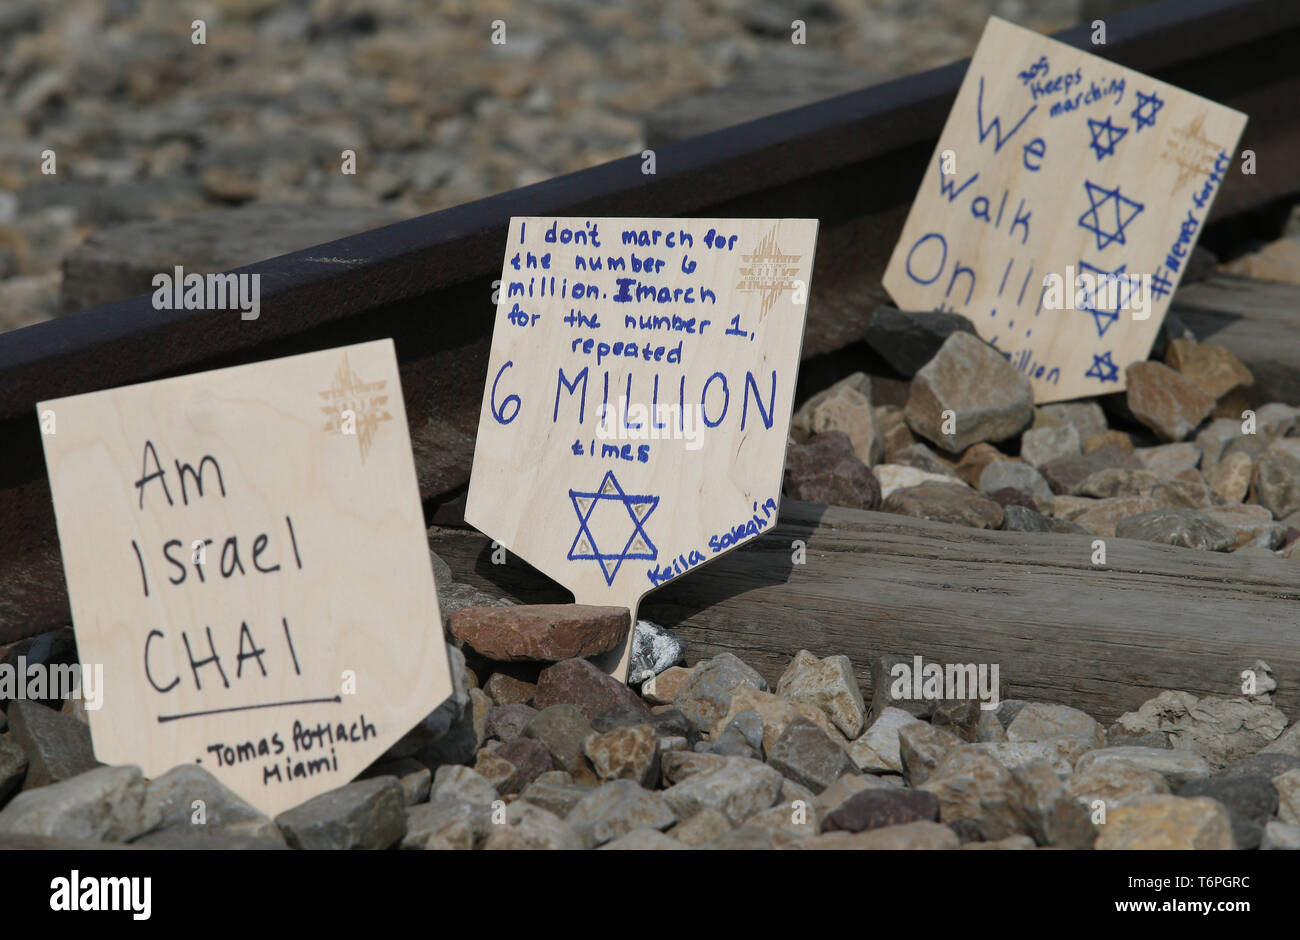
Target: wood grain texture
column 304, row 638
column 1060, row 164
column 1101, row 639
column 688, row 332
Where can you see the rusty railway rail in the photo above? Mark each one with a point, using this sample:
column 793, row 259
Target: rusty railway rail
column 854, row 161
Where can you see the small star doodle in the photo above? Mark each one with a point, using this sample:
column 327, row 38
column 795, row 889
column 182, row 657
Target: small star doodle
column 1113, row 136
column 1145, row 112
column 1103, row 368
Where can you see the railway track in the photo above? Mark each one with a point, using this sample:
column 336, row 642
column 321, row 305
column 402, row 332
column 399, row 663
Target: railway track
column 853, row 161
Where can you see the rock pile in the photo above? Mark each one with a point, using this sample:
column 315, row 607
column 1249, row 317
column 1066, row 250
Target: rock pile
column 715, row 757
column 436, row 105
column 1180, row 458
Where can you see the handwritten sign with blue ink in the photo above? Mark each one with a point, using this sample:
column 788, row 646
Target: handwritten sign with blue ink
column 639, row 395
column 1060, row 208
column 246, row 558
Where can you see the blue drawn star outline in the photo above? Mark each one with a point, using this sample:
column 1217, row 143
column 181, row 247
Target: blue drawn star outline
column 1113, row 136
column 1151, row 101
column 1105, row 318
column 639, row 508
column 1103, row 368
column 1096, row 226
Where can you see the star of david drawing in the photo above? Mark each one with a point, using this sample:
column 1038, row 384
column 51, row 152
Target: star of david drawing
column 1150, row 102
column 618, row 513
column 1103, row 368
column 1104, row 318
column 1191, row 151
column 1097, row 225
column 355, row 407
column 1113, row 136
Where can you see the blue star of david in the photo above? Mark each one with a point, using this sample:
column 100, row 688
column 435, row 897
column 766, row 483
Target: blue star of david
column 1113, row 136
column 1104, row 238
column 638, row 545
column 1105, row 318
column 1103, row 369
column 1146, row 101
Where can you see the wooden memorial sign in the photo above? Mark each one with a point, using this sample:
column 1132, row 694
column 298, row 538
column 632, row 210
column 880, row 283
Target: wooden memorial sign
column 639, row 395
column 1060, row 208
column 246, row 557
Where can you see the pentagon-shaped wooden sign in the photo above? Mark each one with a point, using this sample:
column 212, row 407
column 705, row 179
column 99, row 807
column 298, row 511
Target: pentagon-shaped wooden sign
column 246, row 557
column 639, row 395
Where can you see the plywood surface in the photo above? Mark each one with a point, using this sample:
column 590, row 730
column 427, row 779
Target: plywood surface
column 1055, row 163
column 639, row 395
column 304, row 638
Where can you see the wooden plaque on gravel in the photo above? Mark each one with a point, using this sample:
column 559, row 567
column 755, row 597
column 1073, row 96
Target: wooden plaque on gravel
column 246, row 557
column 639, row 395
column 1058, row 166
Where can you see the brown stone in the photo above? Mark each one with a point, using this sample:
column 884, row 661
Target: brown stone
column 1086, row 416
column 827, row 471
column 975, row 459
column 584, row 685
column 971, row 784
column 562, row 729
column 1275, row 484
column 1167, row 402
column 1102, row 517
column 1168, row 822
column 922, row 748
column 1231, row 476
column 1168, row 493
column 893, row 430
column 1009, row 496
column 1234, row 403
column 1170, row 460
column 505, row 722
column 1115, row 481
column 1246, row 522
column 663, row 688
column 775, row 713
column 629, row 752
column 875, row 809
column 1216, row 370
column 498, row 771
column 1108, row 438
column 989, row 398
column 1191, row 494
column 845, row 406
column 1068, row 507
column 945, row 502
column 504, row 689
column 541, row 632
column 530, row 758
column 1065, row 473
